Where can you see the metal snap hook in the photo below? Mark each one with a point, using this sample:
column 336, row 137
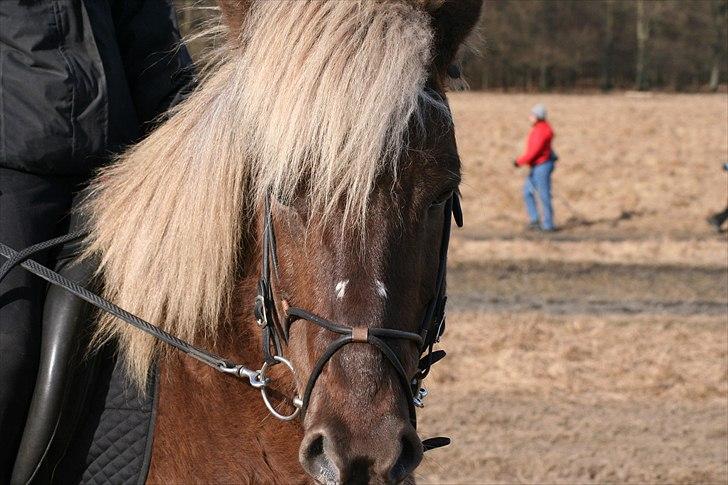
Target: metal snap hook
column 254, row 377
column 419, row 399
column 297, row 402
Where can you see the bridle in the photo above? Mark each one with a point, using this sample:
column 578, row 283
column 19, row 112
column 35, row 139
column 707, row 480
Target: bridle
column 430, row 329
column 429, row 333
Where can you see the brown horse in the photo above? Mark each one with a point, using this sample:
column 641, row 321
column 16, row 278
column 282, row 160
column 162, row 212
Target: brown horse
column 323, row 144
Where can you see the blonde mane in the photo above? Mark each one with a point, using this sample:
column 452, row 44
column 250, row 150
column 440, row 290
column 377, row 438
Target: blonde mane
column 313, row 94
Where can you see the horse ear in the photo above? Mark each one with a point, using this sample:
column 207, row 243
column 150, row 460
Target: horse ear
column 453, row 20
column 233, row 13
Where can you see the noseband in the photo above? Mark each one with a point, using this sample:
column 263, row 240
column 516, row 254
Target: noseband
column 430, row 328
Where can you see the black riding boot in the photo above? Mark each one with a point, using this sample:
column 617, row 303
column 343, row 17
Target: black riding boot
column 33, row 208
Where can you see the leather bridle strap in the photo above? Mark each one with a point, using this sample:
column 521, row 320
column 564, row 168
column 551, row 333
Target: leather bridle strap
column 264, row 303
column 425, row 338
column 433, row 324
column 349, row 335
column 437, row 303
column 265, row 307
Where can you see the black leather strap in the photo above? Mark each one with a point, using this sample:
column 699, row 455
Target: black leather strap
column 429, row 331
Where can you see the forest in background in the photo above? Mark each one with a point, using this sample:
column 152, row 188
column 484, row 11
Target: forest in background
column 563, row 45
column 532, row 45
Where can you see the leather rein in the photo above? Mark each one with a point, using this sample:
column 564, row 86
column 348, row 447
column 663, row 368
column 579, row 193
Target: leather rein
column 429, row 333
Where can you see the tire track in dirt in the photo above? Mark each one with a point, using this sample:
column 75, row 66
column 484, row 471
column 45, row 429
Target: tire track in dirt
column 594, row 307
column 564, row 288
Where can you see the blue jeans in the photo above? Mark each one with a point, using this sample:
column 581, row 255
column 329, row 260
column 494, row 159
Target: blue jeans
column 538, row 183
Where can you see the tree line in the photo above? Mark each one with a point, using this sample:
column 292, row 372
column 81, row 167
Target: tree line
column 541, row 45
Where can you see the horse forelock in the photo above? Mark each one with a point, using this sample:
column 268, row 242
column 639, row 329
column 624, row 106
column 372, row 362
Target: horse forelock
column 319, row 95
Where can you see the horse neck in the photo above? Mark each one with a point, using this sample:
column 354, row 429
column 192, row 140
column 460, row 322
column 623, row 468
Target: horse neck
column 199, row 403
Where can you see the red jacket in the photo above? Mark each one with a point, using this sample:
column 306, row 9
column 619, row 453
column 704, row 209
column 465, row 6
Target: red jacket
column 538, row 149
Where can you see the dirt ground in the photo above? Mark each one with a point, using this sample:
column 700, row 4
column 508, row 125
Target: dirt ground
column 599, row 353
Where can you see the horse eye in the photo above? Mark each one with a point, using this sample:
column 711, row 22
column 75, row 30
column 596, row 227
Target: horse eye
column 441, row 199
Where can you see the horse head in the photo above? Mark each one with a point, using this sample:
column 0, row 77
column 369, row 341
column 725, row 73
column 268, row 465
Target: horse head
column 340, row 273
column 317, row 161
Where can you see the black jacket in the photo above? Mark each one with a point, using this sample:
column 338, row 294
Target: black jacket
column 80, row 79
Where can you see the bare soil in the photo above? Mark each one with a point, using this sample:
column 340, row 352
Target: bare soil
column 599, row 353
column 530, row 397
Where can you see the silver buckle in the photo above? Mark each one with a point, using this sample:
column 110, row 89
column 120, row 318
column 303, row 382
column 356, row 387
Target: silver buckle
column 418, row 400
column 264, row 321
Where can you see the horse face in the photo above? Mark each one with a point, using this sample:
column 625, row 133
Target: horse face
column 358, row 423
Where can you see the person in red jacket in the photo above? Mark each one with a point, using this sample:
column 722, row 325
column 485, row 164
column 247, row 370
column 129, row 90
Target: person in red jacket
column 541, row 158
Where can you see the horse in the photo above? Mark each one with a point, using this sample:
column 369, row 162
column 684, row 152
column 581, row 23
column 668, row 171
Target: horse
column 312, row 174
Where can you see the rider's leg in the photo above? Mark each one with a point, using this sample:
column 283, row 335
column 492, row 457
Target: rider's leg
column 64, row 316
column 33, row 208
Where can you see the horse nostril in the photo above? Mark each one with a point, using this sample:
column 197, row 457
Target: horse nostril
column 314, row 460
column 409, row 457
column 315, row 447
column 363, row 456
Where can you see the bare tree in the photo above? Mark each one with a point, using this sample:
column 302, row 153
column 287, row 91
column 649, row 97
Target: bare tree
column 608, row 55
column 583, row 44
column 643, row 36
column 719, row 14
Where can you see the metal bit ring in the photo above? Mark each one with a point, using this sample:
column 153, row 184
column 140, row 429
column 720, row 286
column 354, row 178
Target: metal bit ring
column 297, row 403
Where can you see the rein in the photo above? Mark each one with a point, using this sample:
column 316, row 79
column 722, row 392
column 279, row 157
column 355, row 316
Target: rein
column 22, row 258
column 430, row 330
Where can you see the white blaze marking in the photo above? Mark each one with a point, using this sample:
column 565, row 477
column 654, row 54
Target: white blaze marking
column 381, row 289
column 340, row 288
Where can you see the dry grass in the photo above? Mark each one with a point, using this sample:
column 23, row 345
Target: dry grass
column 532, row 398
column 613, row 388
